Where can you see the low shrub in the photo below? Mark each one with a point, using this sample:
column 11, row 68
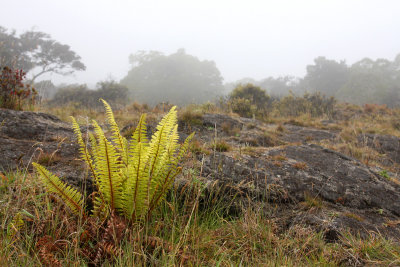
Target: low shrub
column 314, row 104
column 13, row 91
column 249, row 100
column 83, row 97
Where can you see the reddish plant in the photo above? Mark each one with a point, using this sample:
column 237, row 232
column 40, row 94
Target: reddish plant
column 12, row 89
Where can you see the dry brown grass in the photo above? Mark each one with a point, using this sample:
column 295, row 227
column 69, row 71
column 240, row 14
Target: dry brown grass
column 181, row 233
column 300, row 165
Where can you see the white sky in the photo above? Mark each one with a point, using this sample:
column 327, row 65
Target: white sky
column 245, row 38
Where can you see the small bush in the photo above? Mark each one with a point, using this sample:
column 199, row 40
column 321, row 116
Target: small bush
column 314, row 104
column 374, row 108
column 248, row 100
column 13, row 92
column 83, row 97
column 191, row 117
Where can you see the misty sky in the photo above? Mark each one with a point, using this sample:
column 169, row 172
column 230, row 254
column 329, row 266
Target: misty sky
column 245, row 38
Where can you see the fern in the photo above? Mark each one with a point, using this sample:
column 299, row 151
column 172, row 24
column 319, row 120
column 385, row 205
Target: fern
column 71, row 197
column 117, row 138
column 15, row 225
column 132, row 177
column 82, row 146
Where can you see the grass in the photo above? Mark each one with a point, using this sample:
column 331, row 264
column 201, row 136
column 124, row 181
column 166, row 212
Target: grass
column 192, row 228
column 311, row 201
column 191, row 116
column 47, row 159
column 221, row 146
column 300, row 165
column 198, row 148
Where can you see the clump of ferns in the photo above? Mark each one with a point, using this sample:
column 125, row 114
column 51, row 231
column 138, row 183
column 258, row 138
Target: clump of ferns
column 132, row 178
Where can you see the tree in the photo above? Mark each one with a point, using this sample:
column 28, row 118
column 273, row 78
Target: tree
column 178, row 78
column 229, row 87
column 46, row 89
column 281, row 86
column 36, row 53
column 326, row 76
column 373, row 82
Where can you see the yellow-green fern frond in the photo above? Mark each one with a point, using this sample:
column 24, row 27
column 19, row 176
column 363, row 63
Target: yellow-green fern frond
column 161, row 171
column 168, row 174
column 85, row 155
column 100, row 208
column 140, row 133
column 117, row 138
column 135, row 192
column 108, row 169
column 155, row 158
column 71, row 197
column 15, row 225
column 159, row 140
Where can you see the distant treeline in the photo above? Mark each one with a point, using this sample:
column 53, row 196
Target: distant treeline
column 366, row 81
column 182, row 79
column 81, row 96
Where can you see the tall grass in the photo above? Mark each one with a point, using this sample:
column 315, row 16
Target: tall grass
column 193, row 227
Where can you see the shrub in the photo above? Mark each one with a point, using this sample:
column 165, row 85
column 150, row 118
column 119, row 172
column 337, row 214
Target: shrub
column 12, row 89
column 249, row 99
column 191, row 116
column 243, row 107
column 110, row 91
column 377, row 109
column 314, row 104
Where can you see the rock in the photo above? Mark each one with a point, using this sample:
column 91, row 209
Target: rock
column 290, row 174
column 26, row 136
column 28, row 125
column 301, row 134
column 298, row 184
column 384, row 144
column 219, row 120
column 251, row 132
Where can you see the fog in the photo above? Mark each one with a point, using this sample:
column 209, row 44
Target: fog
column 245, row 38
